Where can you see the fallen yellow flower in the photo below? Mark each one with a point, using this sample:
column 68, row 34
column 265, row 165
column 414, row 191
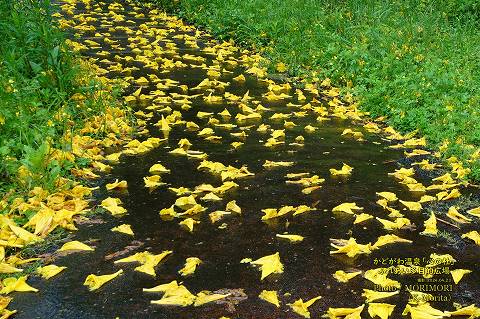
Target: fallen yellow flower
column 456, row 216
column 292, row 238
column 158, row 169
column 350, row 247
column 11, row 284
column 174, row 295
column 272, row 164
column 423, row 311
column 124, row 228
column 301, row 307
column 382, row 310
column 346, row 208
column 397, row 224
column 413, row 206
column 6, row 268
column 474, row 212
column 26, row 236
column 49, row 271
column 389, row 239
column 302, row 209
column 4, row 312
column 344, row 171
column 233, row 207
column 430, row 225
column 191, row 264
column 75, row 245
column 362, row 217
column 153, row 181
column 217, row 215
column 342, row 276
column 93, row 282
column 147, row 260
column 189, row 223
column 473, row 235
column 379, row 277
column 270, row 264
column 116, row 185
column 270, row 296
column 185, row 202
column 204, row 297
column 350, row 313
column 389, row 196
column 273, row 212
column 457, row 274
column 372, row 295
column 112, row 205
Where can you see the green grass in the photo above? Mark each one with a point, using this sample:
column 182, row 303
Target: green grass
column 415, row 61
column 44, row 94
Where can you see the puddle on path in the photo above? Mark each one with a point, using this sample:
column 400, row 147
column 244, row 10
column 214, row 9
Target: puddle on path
column 308, row 265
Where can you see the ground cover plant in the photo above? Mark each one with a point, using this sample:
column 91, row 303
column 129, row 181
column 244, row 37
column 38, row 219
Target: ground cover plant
column 46, row 94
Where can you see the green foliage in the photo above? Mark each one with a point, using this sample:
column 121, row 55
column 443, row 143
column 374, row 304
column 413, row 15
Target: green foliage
column 416, row 62
column 39, row 76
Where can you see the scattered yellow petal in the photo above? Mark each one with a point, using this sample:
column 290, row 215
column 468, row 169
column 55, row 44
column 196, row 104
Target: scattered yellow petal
column 301, row 307
column 116, row 185
column 49, row 271
column 12, row 284
column 270, row 296
column 124, row 228
column 189, row 223
column 191, row 264
column 346, row 208
column 75, row 245
column 350, row 313
column 382, row 310
column 413, row 206
column 457, row 274
column 292, row 238
column 389, row 196
column 430, row 225
column 372, row 295
column 270, row 264
column 158, row 169
column 456, row 216
column 93, row 282
column 206, row 297
column 342, row 276
column 344, row 171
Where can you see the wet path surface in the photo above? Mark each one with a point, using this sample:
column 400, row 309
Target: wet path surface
column 155, row 42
